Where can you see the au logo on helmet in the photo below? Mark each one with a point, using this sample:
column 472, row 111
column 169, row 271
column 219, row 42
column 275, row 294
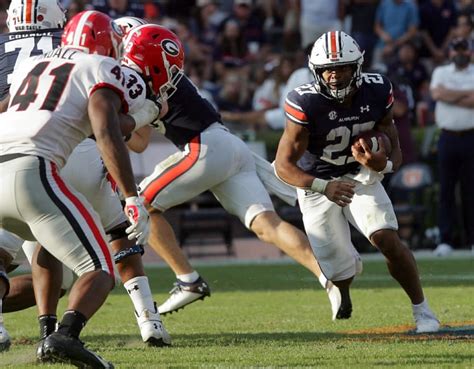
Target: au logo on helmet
column 170, row 47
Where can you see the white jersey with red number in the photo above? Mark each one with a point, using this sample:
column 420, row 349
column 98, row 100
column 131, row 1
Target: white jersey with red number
column 135, row 89
column 47, row 114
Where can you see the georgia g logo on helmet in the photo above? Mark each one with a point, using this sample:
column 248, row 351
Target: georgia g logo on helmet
column 170, row 47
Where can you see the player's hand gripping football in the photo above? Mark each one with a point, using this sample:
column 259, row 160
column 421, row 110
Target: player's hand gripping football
column 139, row 219
column 340, row 192
column 364, row 155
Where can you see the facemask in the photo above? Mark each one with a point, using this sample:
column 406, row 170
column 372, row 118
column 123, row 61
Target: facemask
column 461, row 60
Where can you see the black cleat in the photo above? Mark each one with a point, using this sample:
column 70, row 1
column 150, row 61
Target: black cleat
column 66, row 349
column 345, row 310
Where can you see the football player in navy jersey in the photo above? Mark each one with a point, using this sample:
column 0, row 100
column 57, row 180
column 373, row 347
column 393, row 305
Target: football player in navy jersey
column 338, row 176
column 210, row 158
column 35, row 28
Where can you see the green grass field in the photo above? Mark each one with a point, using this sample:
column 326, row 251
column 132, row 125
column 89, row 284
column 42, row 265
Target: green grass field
column 278, row 316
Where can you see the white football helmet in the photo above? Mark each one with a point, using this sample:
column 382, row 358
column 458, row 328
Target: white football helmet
column 336, row 48
column 127, row 23
column 31, row 15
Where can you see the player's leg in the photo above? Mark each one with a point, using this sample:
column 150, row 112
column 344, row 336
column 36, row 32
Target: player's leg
column 371, row 202
column 21, row 295
column 10, row 248
column 5, row 260
column 98, row 188
column 47, row 273
column 329, row 235
column 270, row 228
column 128, row 259
column 244, row 195
column 206, row 161
column 80, row 245
column 189, row 286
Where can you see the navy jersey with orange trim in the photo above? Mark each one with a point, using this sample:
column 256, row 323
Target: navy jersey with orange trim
column 189, row 113
column 333, row 126
column 17, row 46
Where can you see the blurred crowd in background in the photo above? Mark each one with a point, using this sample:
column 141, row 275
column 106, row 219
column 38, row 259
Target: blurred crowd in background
column 240, row 53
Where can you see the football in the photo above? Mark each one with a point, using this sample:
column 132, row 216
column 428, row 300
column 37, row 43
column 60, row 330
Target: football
column 371, row 137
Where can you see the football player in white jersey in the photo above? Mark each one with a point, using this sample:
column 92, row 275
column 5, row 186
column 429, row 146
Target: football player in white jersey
column 105, row 201
column 338, row 176
column 34, row 28
column 57, row 100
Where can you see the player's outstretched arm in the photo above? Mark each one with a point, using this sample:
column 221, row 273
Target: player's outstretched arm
column 103, row 109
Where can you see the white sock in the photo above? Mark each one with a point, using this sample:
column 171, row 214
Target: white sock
column 188, row 278
column 420, row 306
column 139, row 292
column 323, row 280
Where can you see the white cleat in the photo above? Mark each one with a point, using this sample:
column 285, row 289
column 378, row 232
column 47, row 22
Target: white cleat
column 184, row 294
column 443, row 250
column 152, row 330
column 334, row 298
column 5, row 341
column 425, row 319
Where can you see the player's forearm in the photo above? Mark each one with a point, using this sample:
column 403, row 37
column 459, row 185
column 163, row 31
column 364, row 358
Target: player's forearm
column 103, row 112
column 114, row 153
column 292, row 174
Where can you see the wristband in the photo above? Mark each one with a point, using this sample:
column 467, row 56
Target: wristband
column 319, row 185
column 388, row 168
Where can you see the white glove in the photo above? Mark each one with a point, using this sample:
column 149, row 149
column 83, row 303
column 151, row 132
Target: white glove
column 159, row 126
column 147, row 113
column 139, row 219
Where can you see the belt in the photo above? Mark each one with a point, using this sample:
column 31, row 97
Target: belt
column 458, row 133
column 8, row 157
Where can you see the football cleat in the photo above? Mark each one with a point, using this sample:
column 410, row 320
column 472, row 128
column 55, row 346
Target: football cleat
column 152, row 329
column 184, row 294
column 345, row 309
column 5, row 341
column 334, row 296
column 66, row 349
column 425, row 319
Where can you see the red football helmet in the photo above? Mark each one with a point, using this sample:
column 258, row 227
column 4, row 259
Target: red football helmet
column 94, row 33
column 156, row 53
